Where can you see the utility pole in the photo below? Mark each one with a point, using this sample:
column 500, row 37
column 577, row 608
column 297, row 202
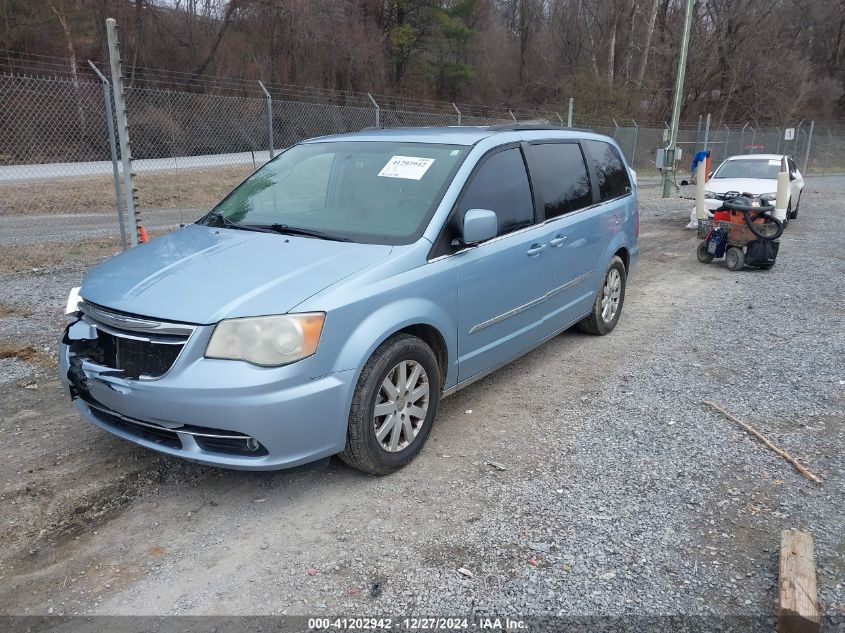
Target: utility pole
column 669, row 154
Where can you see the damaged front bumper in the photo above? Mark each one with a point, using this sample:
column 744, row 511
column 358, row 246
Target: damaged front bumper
column 217, row 412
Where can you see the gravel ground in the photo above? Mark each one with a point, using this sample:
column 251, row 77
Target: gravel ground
column 621, row 493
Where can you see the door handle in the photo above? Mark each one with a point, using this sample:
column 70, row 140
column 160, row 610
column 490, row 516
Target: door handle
column 557, row 240
column 535, row 249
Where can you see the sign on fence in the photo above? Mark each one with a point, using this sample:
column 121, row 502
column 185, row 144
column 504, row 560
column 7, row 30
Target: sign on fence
column 789, row 134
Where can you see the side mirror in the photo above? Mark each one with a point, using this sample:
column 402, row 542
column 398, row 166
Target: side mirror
column 792, row 175
column 479, row 225
column 710, row 175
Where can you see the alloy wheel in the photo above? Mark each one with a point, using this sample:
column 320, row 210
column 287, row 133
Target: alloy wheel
column 401, row 406
column 611, row 293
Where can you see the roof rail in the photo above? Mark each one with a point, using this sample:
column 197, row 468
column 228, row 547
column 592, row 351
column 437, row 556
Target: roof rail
column 515, row 127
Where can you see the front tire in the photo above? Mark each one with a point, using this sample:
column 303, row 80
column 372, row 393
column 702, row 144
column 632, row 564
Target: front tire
column 791, row 213
column 735, row 258
column 607, row 307
column 701, row 252
column 394, row 406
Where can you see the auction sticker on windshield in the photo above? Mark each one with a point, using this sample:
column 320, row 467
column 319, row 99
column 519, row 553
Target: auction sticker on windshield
column 408, row 167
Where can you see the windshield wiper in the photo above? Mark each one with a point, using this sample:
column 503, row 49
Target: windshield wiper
column 284, row 229
column 222, row 220
column 294, row 230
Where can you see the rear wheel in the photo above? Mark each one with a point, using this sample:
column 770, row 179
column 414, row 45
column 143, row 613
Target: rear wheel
column 607, row 307
column 394, row 406
column 701, row 252
column 735, row 258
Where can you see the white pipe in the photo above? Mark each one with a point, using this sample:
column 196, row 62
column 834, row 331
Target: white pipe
column 782, row 198
column 700, row 177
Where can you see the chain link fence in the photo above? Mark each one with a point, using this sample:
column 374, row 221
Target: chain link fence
column 191, row 145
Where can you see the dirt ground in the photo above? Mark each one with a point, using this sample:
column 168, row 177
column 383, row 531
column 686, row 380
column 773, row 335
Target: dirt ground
column 92, row 524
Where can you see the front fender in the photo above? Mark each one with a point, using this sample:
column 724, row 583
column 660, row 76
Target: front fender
column 390, row 318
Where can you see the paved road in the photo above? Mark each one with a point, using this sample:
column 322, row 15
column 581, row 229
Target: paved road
column 33, row 229
column 52, row 171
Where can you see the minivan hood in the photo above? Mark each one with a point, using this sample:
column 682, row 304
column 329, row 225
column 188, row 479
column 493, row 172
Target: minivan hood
column 756, row 186
column 201, row 274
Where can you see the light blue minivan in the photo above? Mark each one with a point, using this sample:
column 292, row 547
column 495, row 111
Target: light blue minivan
column 329, row 302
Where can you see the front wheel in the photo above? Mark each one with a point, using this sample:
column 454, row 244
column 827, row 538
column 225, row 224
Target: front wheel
column 608, row 304
column 701, row 252
column 735, row 258
column 791, row 213
column 393, row 407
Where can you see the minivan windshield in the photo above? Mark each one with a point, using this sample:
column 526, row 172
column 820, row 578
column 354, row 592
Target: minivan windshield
column 764, row 168
column 375, row 192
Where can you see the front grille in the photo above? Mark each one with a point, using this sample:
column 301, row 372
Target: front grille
column 137, row 358
column 139, row 346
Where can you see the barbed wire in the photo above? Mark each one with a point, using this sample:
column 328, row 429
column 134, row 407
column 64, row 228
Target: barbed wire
column 38, row 65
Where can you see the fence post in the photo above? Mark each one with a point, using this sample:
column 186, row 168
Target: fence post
column 807, row 147
column 113, row 148
column 458, row 111
column 706, row 133
column 616, row 128
column 569, row 114
column 742, row 137
column 512, row 116
column 753, row 138
column 559, row 118
column 827, row 154
column 780, row 133
column 727, row 138
column 269, row 119
column 378, row 110
column 634, row 150
column 797, row 136
column 123, row 129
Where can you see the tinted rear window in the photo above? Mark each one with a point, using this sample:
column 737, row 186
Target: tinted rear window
column 560, row 171
column 610, row 170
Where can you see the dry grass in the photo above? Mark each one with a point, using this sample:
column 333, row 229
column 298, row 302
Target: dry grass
column 165, row 190
column 25, row 352
column 23, row 258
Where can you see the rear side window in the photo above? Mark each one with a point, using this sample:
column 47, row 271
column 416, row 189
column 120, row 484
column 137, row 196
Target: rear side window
column 610, row 170
column 501, row 185
column 560, row 172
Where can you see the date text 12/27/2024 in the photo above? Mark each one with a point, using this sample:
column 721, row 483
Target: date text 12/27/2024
column 415, row 624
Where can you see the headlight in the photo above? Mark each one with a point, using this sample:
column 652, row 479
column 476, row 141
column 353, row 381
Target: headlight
column 269, row 341
column 709, row 194
column 73, row 300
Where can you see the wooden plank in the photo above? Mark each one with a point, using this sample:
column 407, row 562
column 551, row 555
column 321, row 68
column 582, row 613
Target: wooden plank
column 798, row 610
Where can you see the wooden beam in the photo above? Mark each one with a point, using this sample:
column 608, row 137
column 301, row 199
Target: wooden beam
column 798, row 610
